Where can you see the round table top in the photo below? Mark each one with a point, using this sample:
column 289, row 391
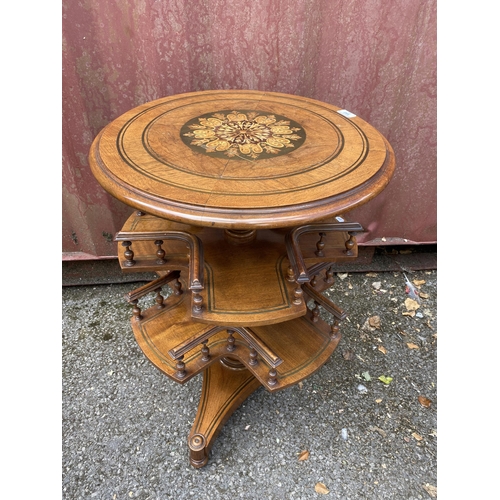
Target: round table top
column 241, row 159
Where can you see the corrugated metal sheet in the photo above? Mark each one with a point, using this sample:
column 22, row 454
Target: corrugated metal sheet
column 376, row 58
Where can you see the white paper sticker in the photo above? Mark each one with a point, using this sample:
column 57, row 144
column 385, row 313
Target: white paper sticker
column 346, row 113
column 339, row 219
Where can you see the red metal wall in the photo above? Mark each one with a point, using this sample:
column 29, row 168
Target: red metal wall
column 376, row 58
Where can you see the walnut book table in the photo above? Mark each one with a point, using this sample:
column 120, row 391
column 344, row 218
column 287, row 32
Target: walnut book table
column 238, row 197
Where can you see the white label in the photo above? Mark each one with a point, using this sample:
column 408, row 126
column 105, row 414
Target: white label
column 346, row 113
column 339, row 219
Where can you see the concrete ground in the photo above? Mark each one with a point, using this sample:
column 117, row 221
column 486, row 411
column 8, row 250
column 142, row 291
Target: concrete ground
column 343, row 433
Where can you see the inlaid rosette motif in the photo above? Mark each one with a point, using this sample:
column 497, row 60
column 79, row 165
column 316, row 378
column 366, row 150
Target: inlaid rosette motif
column 243, row 134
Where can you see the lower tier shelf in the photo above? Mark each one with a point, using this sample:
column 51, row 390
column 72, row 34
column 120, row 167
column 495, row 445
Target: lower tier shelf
column 278, row 355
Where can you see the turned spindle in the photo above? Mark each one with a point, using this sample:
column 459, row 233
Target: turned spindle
column 329, row 275
column 315, row 313
column 272, row 377
column 253, row 357
column 290, row 275
column 128, row 254
column 230, row 341
column 160, row 253
column 177, row 287
column 335, row 329
column 205, row 351
column 297, row 294
column 349, row 244
column 181, row 368
column 314, row 281
column 197, row 302
column 136, row 310
column 320, row 245
column 159, row 299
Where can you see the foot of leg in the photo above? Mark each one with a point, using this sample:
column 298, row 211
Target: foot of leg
column 223, row 391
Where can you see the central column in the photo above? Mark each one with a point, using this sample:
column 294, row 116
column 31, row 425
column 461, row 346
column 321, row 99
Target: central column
column 239, row 237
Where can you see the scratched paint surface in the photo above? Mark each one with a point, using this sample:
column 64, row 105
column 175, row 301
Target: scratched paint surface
column 375, row 58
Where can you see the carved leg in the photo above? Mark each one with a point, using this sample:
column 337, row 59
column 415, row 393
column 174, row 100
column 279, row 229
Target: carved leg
column 224, row 389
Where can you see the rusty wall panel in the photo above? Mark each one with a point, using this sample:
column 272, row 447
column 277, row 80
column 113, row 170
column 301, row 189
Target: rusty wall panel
column 376, row 58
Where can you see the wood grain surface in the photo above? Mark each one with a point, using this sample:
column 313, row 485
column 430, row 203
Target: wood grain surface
column 241, row 159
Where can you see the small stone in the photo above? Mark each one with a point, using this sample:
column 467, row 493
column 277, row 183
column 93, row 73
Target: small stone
column 348, row 355
column 362, row 389
column 343, row 434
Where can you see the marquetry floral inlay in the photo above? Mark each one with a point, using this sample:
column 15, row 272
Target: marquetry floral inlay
column 247, row 134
